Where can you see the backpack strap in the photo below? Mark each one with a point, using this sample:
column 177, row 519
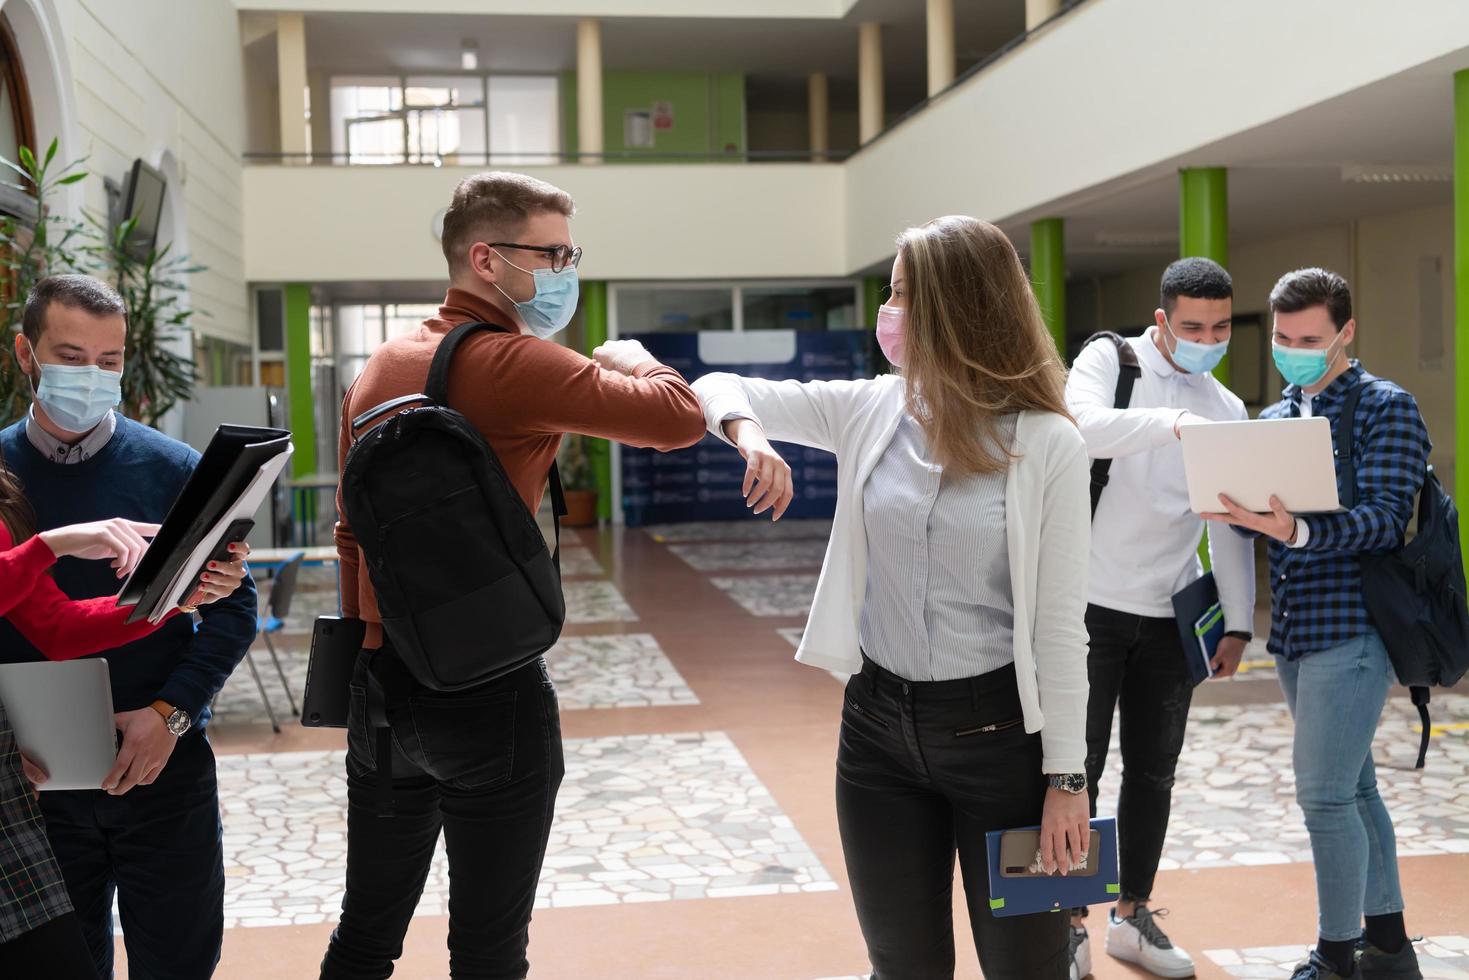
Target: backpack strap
column 1346, row 441
column 1129, row 370
column 437, row 391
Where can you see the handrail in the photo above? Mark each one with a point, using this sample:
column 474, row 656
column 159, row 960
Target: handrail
column 489, row 159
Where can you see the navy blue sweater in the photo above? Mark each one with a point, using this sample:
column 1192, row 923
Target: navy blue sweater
column 136, row 475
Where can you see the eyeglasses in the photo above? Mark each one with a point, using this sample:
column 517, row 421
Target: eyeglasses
column 561, row 255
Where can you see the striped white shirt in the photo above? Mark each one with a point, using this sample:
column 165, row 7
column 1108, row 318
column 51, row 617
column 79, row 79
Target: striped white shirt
column 938, row 604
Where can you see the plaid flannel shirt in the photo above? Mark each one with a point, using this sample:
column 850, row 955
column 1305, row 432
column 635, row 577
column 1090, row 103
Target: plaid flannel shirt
column 1317, row 589
column 32, row 891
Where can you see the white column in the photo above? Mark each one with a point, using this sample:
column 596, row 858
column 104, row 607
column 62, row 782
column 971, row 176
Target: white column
column 589, row 89
column 940, row 45
column 290, row 57
column 869, row 81
column 1037, row 12
column 819, row 112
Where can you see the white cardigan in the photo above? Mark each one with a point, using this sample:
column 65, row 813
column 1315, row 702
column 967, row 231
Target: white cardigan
column 1048, row 514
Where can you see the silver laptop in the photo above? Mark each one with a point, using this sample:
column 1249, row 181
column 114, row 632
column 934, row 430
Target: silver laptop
column 62, row 716
column 1249, row 461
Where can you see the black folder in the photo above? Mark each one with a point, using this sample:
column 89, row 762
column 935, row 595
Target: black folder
column 1189, row 607
column 230, row 462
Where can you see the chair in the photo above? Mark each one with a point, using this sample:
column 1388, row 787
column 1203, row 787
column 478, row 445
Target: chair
column 281, row 593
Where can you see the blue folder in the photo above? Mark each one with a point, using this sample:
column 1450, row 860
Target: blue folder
column 1200, row 626
column 1024, row 896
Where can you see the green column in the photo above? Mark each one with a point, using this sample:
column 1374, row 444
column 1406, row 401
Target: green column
column 594, row 335
column 298, row 378
column 1048, row 275
column 1203, row 223
column 1461, row 299
column 872, row 287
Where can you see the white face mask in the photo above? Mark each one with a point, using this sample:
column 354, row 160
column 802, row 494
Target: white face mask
column 75, row 397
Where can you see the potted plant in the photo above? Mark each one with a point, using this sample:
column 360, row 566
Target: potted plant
column 578, row 481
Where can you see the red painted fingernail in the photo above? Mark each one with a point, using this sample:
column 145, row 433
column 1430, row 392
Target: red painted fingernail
column 214, row 564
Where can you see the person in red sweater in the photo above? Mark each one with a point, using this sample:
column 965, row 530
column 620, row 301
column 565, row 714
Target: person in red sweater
column 39, row 931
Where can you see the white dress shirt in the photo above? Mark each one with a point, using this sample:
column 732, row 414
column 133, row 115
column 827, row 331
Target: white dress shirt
column 1045, row 522
column 1145, row 537
column 938, row 605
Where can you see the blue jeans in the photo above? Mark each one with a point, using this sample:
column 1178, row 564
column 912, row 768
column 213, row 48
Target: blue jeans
column 1336, row 697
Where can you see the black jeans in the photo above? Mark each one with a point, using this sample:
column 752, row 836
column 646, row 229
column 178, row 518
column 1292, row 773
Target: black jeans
column 495, row 764
column 158, row 847
column 923, row 768
column 56, row 950
column 1137, row 662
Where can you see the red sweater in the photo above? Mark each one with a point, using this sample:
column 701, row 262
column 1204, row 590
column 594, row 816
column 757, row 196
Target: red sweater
column 522, row 394
column 60, row 627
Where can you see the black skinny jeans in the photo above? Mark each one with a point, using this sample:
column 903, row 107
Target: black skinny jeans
column 1137, row 663
column 923, row 769
column 496, row 760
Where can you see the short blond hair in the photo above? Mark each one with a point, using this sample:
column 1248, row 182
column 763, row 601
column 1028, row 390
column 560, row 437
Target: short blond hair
column 494, row 206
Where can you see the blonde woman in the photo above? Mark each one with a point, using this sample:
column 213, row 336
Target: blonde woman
column 953, row 590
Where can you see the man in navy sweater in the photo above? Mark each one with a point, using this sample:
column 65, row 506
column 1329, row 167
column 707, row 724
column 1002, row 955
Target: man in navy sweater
column 152, row 833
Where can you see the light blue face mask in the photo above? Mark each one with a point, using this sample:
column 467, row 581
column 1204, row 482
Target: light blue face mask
column 1193, row 357
column 1302, row 366
column 77, row 398
column 551, row 308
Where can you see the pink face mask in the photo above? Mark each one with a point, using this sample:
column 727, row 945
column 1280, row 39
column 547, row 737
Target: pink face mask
column 890, row 334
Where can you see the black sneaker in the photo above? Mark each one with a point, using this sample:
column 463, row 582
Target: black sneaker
column 1377, row 965
column 1316, row 968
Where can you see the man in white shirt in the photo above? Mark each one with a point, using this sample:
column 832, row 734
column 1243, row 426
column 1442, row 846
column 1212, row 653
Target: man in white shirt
column 1144, row 549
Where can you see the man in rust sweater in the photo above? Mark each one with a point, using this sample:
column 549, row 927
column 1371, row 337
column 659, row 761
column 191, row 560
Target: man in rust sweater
column 497, row 748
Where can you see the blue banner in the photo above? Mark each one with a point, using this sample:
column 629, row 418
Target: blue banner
column 703, row 482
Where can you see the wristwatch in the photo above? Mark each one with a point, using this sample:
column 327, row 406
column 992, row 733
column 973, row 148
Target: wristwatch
column 1071, row 782
column 1241, row 635
column 177, row 719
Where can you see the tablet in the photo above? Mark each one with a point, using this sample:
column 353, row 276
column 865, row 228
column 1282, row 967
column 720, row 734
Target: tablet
column 62, row 716
column 1250, row 461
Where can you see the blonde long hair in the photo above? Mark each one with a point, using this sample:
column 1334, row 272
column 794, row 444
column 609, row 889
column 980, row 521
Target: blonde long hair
column 975, row 345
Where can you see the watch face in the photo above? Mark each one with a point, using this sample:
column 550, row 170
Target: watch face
column 179, row 722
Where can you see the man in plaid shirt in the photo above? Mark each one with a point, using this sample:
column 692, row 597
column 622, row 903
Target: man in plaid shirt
column 1333, row 666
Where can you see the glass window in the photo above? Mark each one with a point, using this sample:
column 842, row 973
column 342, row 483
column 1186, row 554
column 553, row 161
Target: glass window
column 652, row 309
column 367, row 119
column 525, row 118
column 800, row 308
column 270, row 316
column 446, row 119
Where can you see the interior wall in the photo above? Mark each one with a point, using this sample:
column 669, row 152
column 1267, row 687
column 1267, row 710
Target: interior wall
column 708, row 110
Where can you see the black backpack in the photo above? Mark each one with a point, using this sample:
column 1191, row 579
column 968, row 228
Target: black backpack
column 1127, row 375
column 467, row 589
column 1415, row 593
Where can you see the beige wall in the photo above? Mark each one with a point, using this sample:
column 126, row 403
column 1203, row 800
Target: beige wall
column 636, row 221
column 163, row 80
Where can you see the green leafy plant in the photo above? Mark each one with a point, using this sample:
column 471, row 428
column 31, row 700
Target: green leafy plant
column 30, row 251
column 575, row 465
column 155, row 377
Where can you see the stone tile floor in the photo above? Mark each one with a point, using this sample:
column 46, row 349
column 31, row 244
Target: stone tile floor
column 640, row 818
column 1439, row 958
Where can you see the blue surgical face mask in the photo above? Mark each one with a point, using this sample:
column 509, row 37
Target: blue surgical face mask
column 77, row 398
column 1303, row 366
column 551, row 308
column 1193, row 357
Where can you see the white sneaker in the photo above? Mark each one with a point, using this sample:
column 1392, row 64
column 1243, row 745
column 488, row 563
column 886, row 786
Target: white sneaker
column 1137, row 939
column 1081, row 953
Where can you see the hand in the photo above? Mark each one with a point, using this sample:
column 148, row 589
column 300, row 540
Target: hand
column 1279, row 524
column 146, row 746
column 34, row 774
column 767, row 476
column 1186, row 419
column 1227, row 657
column 119, row 539
column 622, row 356
column 1065, row 825
column 221, row 579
